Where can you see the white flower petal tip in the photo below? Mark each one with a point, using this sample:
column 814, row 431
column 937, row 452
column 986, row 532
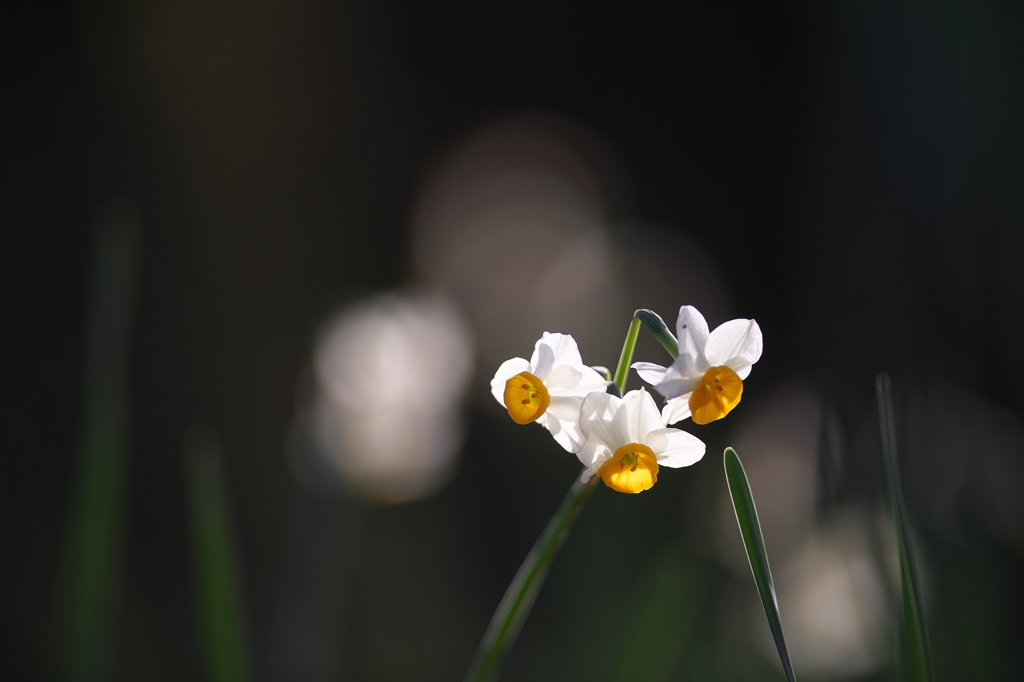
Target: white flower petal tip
column 650, row 372
column 625, row 441
column 706, row 380
column 676, row 410
column 548, row 388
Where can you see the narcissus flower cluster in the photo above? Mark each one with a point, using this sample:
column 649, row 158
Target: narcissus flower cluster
column 625, row 441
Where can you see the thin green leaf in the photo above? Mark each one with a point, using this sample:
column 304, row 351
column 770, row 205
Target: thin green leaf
column 508, row 618
column 753, row 542
column 216, row 567
column 659, row 330
column 88, row 589
column 914, row 650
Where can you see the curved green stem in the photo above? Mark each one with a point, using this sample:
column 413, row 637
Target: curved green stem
column 519, row 597
column 658, row 329
column 656, row 326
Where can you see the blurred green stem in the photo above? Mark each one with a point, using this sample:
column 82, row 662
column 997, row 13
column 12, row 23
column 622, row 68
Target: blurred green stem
column 89, row 577
column 217, row 573
column 915, row 655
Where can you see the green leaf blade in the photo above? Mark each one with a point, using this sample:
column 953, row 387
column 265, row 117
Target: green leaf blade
column 216, row 565
column 89, row 578
column 753, row 543
column 914, row 649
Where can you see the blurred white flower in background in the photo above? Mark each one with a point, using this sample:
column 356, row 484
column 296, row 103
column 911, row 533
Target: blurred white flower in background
column 778, row 439
column 390, row 377
column 829, row 574
column 512, row 222
column 832, row 600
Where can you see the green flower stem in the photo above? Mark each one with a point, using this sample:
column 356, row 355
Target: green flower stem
column 626, row 357
column 659, row 330
column 657, row 327
column 215, row 560
column 519, row 597
column 89, row 588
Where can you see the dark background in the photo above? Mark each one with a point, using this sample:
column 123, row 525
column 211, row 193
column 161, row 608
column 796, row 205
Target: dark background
column 852, row 174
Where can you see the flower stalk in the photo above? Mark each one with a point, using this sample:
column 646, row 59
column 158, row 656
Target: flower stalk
column 519, row 597
column 656, row 326
column 626, row 357
column 658, row 329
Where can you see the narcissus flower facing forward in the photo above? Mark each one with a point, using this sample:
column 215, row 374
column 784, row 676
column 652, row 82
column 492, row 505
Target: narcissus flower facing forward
column 626, row 442
column 549, row 388
column 706, row 380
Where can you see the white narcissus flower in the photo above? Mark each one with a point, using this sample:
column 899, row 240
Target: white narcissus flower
column 549, row 388
column 706, row 379
column 625, row 441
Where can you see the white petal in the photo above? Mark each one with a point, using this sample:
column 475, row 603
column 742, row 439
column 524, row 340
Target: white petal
column 691, row 364
column 682, row 377
column 676, row 410
column 592, row 381
column 588, row 381
column 552, row 350
column 508, row 369
column 562, row 380
column 592, row 455
column 692, row 332
column 644, row 416
column 675, row 448
column 566, row 437
column 603, row 420
column 650, row 372
column 736, row 344
column 562, row 420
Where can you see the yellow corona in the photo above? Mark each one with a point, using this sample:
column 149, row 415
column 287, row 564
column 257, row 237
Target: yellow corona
column 632, row 469
column 719, row 391
column 526, row 398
